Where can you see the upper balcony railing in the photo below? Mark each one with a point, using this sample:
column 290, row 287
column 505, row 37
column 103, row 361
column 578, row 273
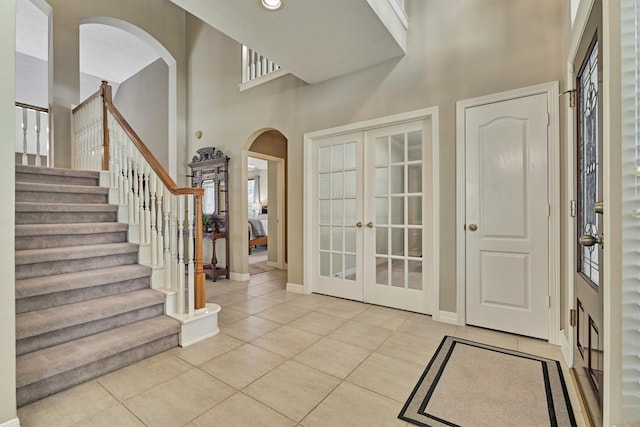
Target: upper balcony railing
column 257, row 69
column 32, row 135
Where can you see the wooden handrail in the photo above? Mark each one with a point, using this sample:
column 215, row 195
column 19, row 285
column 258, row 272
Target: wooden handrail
column 32, row 107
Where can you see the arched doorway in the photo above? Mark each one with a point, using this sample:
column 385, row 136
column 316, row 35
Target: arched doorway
column 266, row 184
column 143, row 76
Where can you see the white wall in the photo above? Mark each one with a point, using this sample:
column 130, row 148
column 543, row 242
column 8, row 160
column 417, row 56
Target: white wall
column 7, row 214
column 143, row 100
column 456, row 50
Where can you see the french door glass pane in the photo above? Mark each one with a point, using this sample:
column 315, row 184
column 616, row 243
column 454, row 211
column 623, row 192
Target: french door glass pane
column 382, row 241
column 382, row 210
column 414, row 210
column 350, row 239
column 382, row 271
column 382, row 181
column 397, row 179
column 324, row 182
column 325, row 264
column 397, row 242
column 350, row 212
column 336, row 240
column 414, row 145
column 397, row 273
column 325, row 238
column 325, row 211
column 350, row 159
column 397, row 210
column 382, row 150
column 337, row 161
column 397, row 148
column 324, row 155
column 415, row 178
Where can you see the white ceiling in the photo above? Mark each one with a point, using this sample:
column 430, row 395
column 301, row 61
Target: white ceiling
column 255, row 164
column 106, row 52
column 313, row 39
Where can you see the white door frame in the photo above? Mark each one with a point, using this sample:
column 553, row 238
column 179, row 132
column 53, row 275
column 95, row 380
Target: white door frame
column 310, row 193
column 551, row 90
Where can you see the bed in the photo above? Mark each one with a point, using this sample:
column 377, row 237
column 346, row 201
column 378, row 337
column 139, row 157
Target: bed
column 257, row 231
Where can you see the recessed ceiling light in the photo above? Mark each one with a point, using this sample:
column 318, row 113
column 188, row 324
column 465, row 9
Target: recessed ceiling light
column 271, row 4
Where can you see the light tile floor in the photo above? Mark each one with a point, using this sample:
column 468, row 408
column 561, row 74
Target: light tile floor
column 281, row 359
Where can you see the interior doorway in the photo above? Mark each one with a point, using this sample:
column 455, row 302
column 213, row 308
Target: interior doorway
column 266, row 203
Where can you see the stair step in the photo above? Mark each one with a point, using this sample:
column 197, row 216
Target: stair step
column 59, row 193
column 45, row 328
column 44, row 292
column 47, row 371
column 45, row 262
column 41, row 236
column 66, row 213
column 56, row 175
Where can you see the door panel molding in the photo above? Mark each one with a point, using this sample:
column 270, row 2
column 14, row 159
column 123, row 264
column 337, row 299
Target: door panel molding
column 551, row 91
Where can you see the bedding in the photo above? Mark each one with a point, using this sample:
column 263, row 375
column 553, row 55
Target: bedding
column 257, row 230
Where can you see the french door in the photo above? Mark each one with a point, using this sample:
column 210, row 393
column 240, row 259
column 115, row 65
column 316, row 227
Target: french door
column 370, row 238
column 588, row 284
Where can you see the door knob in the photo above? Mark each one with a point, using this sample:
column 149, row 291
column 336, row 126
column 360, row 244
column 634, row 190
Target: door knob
column 359, row 224
column 473, row 227
column 589, row 240
column 370, row 224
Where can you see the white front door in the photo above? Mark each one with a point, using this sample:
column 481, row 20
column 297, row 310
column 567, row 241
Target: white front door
column 372, row 229
column 507, row 215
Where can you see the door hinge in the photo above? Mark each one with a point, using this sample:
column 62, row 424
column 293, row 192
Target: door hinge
column 548, row 210
column 573, row 317
column 572, row 97
column 573, row 208
column 548, row 301
column 548, row 119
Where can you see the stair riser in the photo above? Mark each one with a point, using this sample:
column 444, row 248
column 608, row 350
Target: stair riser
column 56, row 197
column 26, row 271
column 38, row 390
column 56, row 179
column 85, row 329
column 59, row 241
column 41, row 302
column 64, row 217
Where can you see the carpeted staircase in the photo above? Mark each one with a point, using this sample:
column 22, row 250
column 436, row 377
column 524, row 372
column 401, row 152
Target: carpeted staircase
column 84, row 306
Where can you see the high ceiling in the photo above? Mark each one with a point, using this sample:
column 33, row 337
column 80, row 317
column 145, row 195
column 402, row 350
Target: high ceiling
column 106, row 52
column 315, row 40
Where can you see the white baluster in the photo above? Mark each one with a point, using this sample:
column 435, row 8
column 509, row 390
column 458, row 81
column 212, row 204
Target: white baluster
column 173, row 242
column 181, row 287
column 25, row 158
column 191, row 268
column 160, row 230
column 168, row 237
column 147, row 208
column 131, row 201
column 151, row 183
column 37, row 137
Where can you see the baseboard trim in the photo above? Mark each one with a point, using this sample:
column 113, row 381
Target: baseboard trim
column 446, row 317
column 565, row 346
column 295, row 288
column 11, row 423
column 240, row 277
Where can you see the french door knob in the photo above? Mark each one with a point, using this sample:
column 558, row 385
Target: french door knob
column 473, row 227
column 370, row 224
column 359, row 224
